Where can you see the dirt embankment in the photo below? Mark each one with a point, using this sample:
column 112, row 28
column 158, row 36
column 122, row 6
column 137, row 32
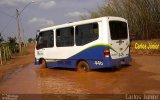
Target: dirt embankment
column 145, row 47
column 16, row 62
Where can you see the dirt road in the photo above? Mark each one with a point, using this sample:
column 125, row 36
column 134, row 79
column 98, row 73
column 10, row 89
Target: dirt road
column 143, row 76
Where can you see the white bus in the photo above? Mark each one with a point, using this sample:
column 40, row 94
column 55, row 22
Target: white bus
column 84, row 45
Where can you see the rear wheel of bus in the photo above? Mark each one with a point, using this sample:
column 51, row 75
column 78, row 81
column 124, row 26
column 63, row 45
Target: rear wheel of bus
column 43, row 64
column 83, row 66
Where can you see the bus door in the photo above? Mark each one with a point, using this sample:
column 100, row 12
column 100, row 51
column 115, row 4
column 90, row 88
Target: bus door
column 45, row 41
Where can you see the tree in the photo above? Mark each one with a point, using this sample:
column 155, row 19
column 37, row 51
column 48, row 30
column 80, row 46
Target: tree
column 12, row 40
column 30, row 40
column 143, row 15
column 1, row 38
column 13, row 44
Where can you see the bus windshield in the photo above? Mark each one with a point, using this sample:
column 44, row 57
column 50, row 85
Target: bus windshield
column 45, row 39
column 118, row 30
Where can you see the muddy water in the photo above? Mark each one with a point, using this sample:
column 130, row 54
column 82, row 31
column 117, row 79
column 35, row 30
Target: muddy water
column 128, row 79
column 125, row 80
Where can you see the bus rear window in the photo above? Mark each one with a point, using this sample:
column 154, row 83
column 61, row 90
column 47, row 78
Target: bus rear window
column 118, row 30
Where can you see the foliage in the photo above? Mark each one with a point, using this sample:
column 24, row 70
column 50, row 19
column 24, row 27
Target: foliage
column 143, row 15
column 1, row 38
column 13, row 45
column 12, row 40
column 30, row 40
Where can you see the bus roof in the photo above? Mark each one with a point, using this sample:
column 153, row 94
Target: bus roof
column 80, row 22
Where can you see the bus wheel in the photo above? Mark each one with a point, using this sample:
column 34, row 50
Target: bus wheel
column 83, row 66
column 43, row 64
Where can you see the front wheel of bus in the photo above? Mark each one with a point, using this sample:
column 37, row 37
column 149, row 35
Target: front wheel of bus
column 43, row 64
column 83, row 66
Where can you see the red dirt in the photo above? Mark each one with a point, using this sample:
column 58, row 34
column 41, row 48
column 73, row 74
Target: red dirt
column 137, row 78
column 16, row 62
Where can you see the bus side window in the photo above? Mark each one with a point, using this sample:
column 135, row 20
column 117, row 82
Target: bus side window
column 45, row 39
column 65, row 37
column 86, row 33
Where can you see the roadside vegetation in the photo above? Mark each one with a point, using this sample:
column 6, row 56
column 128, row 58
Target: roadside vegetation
column 9, row 49
column 143, row 16
column 10, row 58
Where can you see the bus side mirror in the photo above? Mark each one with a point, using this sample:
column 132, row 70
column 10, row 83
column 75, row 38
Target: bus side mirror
column 36, row 37
column 37, row 33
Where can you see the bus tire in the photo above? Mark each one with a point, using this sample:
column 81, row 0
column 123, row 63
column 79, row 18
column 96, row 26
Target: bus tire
column 83, row 66
column 43, row 64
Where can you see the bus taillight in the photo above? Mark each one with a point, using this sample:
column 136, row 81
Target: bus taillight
column 106, row 53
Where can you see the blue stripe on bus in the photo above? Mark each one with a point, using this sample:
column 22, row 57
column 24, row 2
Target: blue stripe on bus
column 90, row 55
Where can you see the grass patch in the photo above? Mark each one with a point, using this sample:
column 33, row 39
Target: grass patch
column 25, row 51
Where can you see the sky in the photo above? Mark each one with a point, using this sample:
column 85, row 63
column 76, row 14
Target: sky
column 39, row 14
